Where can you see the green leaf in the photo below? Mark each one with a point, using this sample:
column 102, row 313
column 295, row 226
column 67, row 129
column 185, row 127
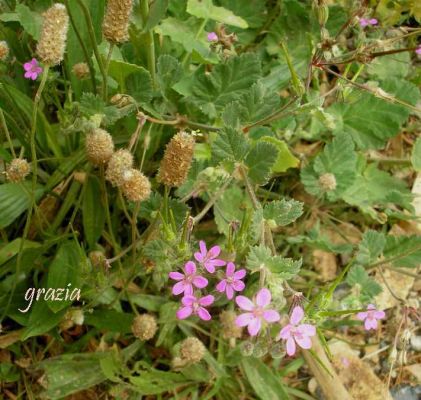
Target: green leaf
column 156, row 382
column 169, row 71
column 65, row 272
column 371, row 247
column 157, row 11
column 254, row 12
column 230, row 145
column 406, row 250
column 11, row 249
column 259, row 162
column 110, row 321
column 226, row 83
column 206, row 10
column 390, row 66
column 184, row 32
column 372, row 121
column 93, row 106
column 71, row 373
column 416, row 155
column 265, row 383
column 31, row 21
column 285, row 158
column 338, row 161
column 357, row 275
column 93, row 211
column 14, row 200
column 282, row 212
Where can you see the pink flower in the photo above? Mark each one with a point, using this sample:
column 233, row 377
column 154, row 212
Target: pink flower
column 370, row 317
column 232, row 281
column 365, row 22
column 418, row 50
column 32, row 69
column 188, row 280
column 212, row 37
column 194, row 305
column 295, row 333
column 257, row 311
column 208, row 258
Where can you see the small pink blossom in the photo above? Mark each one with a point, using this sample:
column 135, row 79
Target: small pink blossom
column 370, row 317
column 188, row 280
column 232, row 281
column 418, row 50
column 366, row 22
column 196, row 306
column 209, row 258
column 32, row 69
column 212, row 37
column 297, row 333
column 256, row 311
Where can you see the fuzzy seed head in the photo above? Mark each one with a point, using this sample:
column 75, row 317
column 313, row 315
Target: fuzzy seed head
column 229, row 329
column 120, row 162
column 81, row 70
column 144, row 326
column 327, row 182
column 192, row 350
column 99, row 146
column 52, row 44
column 116, row 21
column 17, row 170
column 97, row 258
column 177, row 160
column 4, row 50
column 135, row 186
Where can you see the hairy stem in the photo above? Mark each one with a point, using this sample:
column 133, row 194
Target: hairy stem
column 150, row 48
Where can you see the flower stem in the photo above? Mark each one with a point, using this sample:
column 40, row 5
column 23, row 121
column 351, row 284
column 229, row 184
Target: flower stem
column 107, row 64
column 6, row 131
column 150, row 49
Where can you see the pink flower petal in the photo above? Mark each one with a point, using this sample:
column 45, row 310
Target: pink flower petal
column 263, row 297
column 198, row 256
column 304, row 342
column 254, row 326
column 27, row 66
column 240, row 274
column 214, row 251
column 238, row 286
column 184, row 312
column 177, row 276
column 34, row 76
column 203, row 314
column 230, row 269
column 291, row 346
column 230, row 292
column 190, row 268
column 188, row 300
column 271, row 316
column 285, row 332
column 28, row 74
column 307, row 329
column 220, row 287
column 203, row 249
column 362, row 315
column 200, row 282
column 209, row 267
column 379, row 314
column 244, row 319
column 244, row 303
column 297, row 315
column 373, row 21
column 206, row 300
column 178, row 288
column 370, row 324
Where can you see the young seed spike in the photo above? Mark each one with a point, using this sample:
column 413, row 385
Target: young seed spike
column 99, row 147
column 4, row 50
column 192, row 350
column 135, row 186
column 81, row 70
column 144, row 327
column 52, row 44
column 116, row 21
column 177, row 160
column 120, row 162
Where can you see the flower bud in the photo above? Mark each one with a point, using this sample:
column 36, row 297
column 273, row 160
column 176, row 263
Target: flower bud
column 52, row 44
column 229, row 328
column 144, row 326
column 192, row 350
column 4, row 50
column 99, row 146
column 277, row 351
column 81, row 70
column 98, row 259
column 135, row 186
column 121, row 100
column 177, row 160
column 322, row 14
column 17, row 170
column 115, row 26
column 120, row 161
column 247, row 348
column 327, row 182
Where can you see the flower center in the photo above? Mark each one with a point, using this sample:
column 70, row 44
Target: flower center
column 258, row 312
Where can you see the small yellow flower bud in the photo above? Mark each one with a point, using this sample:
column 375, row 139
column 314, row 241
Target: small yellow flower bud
column 81, row 70
column 144, row 326
column 18, row 169
column 192, row 350
column 99, row 147
column 135, row 186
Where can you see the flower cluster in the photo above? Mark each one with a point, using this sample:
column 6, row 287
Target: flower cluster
column 191, row 281
column 368, row 22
